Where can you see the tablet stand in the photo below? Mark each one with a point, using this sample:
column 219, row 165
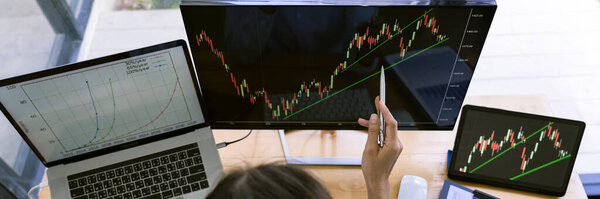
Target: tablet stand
column 315, row 160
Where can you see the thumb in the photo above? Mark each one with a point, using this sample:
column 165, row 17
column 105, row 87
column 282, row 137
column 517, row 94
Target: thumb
column 374, row 125
column 373, row 132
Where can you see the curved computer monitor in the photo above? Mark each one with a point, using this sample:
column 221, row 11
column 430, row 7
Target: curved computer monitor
column 316, row 65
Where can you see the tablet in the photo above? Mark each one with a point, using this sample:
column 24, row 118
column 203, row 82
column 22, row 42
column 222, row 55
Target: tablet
column 516, row 150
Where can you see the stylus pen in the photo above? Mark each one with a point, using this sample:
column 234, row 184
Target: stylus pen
column 382, row 99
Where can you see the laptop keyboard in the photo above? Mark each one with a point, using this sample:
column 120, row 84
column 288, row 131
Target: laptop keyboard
column 165, row 174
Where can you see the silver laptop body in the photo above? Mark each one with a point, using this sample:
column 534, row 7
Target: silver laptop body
column 129, row 125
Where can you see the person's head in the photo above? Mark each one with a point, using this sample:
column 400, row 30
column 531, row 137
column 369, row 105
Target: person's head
column 270, row 181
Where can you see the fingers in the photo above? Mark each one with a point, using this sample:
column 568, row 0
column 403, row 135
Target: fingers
column 363, row 122
column 391, row 133
column 391, row 125
column 387, row 115
column 373, row 125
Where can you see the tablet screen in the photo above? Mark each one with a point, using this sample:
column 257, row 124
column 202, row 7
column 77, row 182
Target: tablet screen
column 516, row 148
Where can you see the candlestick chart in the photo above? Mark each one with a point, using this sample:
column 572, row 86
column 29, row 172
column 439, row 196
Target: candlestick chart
column 372, row 38
column 302, row 64
column 516, row 148
column 488, row 146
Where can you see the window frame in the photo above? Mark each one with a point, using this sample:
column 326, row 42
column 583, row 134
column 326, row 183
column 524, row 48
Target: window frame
column 69, row 29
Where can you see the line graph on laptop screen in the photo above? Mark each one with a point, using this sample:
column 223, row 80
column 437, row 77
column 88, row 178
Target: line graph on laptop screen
column 118, row 102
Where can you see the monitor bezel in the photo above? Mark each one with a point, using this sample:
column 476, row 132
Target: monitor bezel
column 335, row 2
column 529, row 187
column 94, row 62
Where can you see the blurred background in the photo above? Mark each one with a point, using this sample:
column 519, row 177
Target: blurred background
column 535, row 47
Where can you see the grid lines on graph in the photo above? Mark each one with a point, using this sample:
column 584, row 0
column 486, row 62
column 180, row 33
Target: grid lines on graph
column 111, row 102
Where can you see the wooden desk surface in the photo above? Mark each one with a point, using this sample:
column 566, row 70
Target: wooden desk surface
column 424, row 154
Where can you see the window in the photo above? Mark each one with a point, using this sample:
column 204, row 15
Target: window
column 35, row 35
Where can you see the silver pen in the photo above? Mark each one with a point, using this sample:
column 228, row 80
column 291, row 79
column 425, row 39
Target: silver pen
column 382, row 99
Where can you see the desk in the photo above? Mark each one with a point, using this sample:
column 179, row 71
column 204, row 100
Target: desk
column 424, row 154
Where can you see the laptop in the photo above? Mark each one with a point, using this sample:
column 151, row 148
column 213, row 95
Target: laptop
column 129, row 125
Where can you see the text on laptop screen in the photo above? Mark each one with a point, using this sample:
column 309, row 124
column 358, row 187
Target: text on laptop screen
column 96, row 107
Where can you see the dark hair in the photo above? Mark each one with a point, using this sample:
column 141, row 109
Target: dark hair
column 270, row 181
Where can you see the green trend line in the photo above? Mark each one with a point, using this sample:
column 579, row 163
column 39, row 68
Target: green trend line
column 114, row 112
column 537, row 168
column 363, row 79
column 386, row 41
column 510, row 147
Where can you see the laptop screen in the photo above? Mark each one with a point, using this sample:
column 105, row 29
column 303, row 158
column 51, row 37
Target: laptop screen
column 105, row 104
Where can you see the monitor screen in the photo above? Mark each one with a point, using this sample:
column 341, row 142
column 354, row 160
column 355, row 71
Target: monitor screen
column 317, row 66
column 98, row 106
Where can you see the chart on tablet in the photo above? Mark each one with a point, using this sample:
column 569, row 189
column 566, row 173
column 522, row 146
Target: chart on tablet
column 518, row 151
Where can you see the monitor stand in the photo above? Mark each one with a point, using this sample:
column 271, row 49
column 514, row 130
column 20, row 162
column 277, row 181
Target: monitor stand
column 346, row 161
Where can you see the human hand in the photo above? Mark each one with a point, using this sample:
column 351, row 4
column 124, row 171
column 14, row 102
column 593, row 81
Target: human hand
column 377, row 163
